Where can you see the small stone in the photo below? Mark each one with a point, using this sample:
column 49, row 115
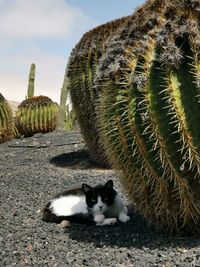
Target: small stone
column 35, row 143
column 29, row 247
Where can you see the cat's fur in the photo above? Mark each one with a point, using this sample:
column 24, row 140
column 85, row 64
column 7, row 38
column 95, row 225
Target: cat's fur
column 100, row 205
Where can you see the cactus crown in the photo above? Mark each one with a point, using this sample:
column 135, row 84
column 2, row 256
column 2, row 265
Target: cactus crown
column 35, row 100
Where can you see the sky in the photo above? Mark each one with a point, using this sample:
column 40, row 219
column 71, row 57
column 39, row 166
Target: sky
column 44, row 32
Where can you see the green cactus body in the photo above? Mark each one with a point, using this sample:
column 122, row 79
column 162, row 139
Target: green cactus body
column 6, row 121
column 36, row 115
column 81, row 73
column 149, row 112
column 45, row 118
column 31, row 81
column 16, row 133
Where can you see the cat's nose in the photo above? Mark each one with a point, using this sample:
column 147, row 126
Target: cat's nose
column 100, row 207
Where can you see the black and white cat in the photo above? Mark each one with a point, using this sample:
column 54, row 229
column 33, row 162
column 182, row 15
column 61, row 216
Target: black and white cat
column 101, row 205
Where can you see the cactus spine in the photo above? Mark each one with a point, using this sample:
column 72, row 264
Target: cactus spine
column 31, row 81
column 6, row 120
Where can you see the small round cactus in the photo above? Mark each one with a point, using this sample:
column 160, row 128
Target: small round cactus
column 38, row 114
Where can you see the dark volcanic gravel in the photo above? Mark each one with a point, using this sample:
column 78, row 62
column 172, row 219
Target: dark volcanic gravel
column 32, row 170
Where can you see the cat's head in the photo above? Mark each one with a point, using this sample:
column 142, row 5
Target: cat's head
column 100, row 197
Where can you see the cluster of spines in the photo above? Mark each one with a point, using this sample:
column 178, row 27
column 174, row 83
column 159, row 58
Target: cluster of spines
column 6, row 120
column 37, row 114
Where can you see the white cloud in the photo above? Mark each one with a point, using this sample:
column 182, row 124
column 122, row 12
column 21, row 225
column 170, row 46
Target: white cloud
column 37, row 31
column 10, row 88
column 40, row 19
column 49, row 75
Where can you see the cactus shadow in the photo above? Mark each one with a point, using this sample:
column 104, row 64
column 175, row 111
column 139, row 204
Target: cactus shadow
column 137, row 233
column 76, row 160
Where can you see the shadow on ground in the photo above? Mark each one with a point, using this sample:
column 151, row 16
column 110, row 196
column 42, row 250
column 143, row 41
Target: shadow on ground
column 75, row 160
column 136, row 233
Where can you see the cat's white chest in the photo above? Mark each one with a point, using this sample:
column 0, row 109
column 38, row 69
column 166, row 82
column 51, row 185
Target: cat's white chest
column 69, row 205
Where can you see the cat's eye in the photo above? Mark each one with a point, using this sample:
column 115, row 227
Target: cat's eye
column 93, row 200
column 105, row 199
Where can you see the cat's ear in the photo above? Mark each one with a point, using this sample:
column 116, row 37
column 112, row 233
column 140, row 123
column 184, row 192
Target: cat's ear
column 86, row 188
column 109, row 184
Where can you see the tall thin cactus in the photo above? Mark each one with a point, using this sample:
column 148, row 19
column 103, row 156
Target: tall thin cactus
column 66, row 118
column 31, row 81
column 63, row 99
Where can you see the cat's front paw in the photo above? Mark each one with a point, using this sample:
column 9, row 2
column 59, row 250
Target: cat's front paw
column 99, row 218
column 107, row 221
column 110, row 221
column 123, row 218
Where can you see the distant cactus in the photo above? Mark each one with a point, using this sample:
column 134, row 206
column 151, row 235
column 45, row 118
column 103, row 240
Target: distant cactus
column 81, row 72
column 63, row 99
column 6, row 120
column 31, row 81
column 66, row 117
column 36, row 115
column 70, row 122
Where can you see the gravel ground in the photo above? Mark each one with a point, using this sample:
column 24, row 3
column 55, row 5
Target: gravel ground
column 33, row 170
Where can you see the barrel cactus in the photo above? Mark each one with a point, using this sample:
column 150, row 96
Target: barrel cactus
column 6, row 120
column 81, row 72
column 38, row 114
column 149, row 112
column 141, row 98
